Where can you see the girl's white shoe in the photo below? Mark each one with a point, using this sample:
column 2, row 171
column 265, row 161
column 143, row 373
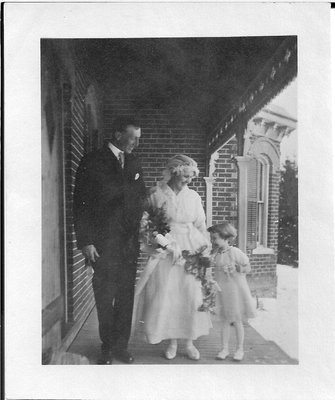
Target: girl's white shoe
column 238, row 356
column 224, row 353
column 192, row 353
column 171, row 351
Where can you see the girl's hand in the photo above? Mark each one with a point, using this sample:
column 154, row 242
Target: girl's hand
column 232, row 268
column 229, row 269
column 244, row 269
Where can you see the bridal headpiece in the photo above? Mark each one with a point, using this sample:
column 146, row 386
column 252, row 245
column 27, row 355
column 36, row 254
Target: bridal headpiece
column 180, row 164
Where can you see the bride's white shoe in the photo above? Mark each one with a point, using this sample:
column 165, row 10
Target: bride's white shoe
column 192, row 353
column 171, row 351
column 223, row 354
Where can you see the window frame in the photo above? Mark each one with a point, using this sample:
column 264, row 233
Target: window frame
column 263, row 201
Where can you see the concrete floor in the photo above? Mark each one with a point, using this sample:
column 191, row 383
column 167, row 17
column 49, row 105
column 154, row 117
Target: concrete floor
column 257, row 349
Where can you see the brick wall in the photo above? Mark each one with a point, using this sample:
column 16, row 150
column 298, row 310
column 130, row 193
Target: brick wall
column 163, row 135
column 79, row 290
column 226, row 185
column 262, row 263
column 273, row 210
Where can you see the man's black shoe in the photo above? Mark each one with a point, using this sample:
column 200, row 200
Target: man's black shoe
column 105, row 358
column 124, row 356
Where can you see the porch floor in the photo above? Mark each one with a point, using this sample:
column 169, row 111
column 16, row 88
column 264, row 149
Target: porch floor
column 257, row 349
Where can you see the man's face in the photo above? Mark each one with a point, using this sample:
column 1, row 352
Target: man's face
column 128, row 139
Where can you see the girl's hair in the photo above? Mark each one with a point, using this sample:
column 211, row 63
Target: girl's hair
column 225, row 230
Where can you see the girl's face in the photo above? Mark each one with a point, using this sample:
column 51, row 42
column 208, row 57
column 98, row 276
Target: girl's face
column 218, row 241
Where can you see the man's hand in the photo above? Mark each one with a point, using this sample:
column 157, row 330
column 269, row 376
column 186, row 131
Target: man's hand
column 90, row 253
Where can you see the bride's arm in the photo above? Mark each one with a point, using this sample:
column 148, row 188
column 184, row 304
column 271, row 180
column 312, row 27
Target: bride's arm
column 153, row 198
column 200, row 221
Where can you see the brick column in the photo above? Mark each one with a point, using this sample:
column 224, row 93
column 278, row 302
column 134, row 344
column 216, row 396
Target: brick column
column 209, row 199
column 273, row 212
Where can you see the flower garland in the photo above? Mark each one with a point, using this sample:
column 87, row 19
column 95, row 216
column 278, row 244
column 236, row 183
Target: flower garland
column 197, row 263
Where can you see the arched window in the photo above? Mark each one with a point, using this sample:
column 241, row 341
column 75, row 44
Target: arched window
column 257, row 202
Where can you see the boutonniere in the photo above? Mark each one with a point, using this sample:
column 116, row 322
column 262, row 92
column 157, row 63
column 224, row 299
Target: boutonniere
column 137, row 176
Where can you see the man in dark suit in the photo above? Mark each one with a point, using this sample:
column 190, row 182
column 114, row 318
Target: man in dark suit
column 108, row 204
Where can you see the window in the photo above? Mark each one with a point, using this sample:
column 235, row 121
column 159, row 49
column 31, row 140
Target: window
column 257, row 203
column 262, row 194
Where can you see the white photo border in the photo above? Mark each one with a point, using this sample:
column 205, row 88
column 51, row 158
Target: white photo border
column 24, row 25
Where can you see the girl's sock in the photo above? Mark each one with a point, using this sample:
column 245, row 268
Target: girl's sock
column 239, row 329
column 225, row 335
column 173, row 343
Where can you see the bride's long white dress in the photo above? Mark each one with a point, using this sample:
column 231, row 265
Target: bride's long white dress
column 167, row 298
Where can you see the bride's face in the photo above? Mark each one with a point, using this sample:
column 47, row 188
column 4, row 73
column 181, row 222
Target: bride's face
column 182, row 180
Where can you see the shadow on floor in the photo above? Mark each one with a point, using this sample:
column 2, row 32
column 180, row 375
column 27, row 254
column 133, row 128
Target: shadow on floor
column 257, row 349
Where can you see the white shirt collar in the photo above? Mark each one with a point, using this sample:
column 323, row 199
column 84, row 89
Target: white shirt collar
column 115, row 150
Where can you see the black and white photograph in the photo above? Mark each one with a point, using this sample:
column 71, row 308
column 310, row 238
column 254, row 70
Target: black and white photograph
column 168, row 201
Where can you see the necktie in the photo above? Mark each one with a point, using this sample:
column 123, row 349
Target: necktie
column 121, row 159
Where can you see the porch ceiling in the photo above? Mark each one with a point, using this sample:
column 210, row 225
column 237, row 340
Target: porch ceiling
column 202, row 78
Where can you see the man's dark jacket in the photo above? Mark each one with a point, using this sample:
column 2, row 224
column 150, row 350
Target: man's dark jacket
column 108, row 200
column 108, row 205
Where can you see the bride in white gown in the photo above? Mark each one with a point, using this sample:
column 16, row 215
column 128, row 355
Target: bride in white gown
column 166, row 297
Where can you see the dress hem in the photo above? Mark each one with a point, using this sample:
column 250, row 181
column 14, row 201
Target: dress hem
column 180, row 338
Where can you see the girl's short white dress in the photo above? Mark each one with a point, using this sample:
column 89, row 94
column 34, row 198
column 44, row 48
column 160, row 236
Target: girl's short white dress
column 166, row 297
column 234, row 302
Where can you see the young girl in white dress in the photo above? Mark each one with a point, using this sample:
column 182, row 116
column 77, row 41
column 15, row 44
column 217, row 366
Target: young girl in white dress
column 234, row 301
column 166, row 297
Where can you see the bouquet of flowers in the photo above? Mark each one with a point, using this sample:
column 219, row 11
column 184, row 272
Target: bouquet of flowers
column 153, row 228
column 197, row 264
